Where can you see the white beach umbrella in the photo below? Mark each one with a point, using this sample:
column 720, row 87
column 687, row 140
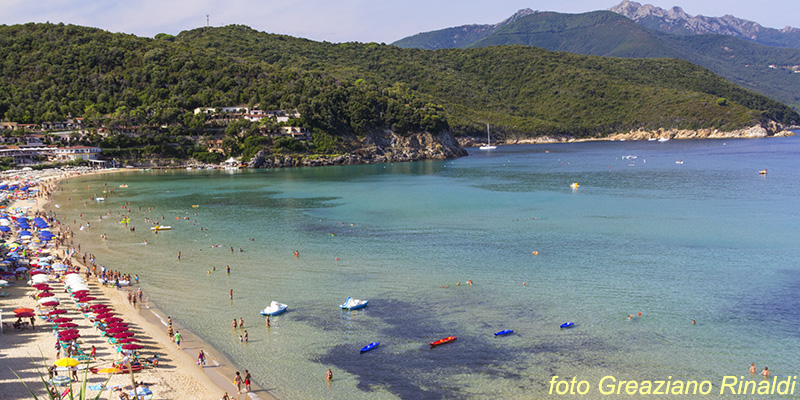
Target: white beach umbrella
column 46, row 299
column 42, row 278
column 21, row 269
column 3, row 283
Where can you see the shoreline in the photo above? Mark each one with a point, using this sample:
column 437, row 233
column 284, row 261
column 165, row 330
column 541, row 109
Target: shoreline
column 176, row 376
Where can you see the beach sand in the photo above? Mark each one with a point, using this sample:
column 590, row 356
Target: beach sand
column 176, row 377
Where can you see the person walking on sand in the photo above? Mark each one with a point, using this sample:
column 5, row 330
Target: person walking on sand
column 201, row 359
column 237, row 380
column 178, row 338
column 246, row 380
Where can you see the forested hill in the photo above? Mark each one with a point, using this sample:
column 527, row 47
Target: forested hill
column 51, row 71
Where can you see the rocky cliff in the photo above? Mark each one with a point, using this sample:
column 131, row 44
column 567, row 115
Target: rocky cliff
column 676, row 21
column 377, row 147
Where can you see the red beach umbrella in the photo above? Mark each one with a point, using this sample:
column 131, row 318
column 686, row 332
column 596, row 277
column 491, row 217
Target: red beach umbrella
column 112, row 319
column 67, row 332
column 117, row 330
column 45, row 294
column 128, row 340
column 118, row 325
column 25, row 314
column 96, row 306
column 50, row 303
column 70, row 272
column 86, row 299
column 36, row 273
column 19, row 310
column 61, row 320
column 41, row 286
column 67, row 338
column 123, row 335
column 55, row 312
column 132, row 346
column 68, row 325
column 80, row 293
column 105, row 315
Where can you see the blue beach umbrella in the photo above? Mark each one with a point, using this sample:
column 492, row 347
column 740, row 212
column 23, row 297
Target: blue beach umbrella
column 25, row 233
column 5, row 229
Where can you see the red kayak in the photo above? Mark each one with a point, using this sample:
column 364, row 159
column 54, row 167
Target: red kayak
column 443, row 341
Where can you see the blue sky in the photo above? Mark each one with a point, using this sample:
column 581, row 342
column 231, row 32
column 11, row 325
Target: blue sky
column 345, row 20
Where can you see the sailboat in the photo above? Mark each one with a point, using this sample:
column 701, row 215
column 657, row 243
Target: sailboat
column 488, row 141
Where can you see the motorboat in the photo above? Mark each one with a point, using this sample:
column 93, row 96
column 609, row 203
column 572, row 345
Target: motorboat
column 161, row 228
column 353, row 304
column 274, row 308
column 504, row 332
column 567, row 325
column 574, row 185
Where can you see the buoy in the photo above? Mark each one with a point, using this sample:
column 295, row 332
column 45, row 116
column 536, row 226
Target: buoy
column 536, row 253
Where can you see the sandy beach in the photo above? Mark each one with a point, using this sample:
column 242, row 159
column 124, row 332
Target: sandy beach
column 28, row 352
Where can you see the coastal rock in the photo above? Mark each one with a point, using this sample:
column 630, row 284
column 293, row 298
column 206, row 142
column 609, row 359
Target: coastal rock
column 377, row 147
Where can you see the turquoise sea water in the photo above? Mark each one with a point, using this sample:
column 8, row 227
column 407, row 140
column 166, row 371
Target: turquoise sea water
column 709, row 240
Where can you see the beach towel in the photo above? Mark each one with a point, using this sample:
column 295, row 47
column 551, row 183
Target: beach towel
column 96, row 387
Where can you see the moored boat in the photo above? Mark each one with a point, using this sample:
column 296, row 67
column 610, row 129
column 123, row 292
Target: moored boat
column 353, row 304
column 274, row 308
column 504, row 332
column 566, row 325
column 161, row 228
column 443, row 341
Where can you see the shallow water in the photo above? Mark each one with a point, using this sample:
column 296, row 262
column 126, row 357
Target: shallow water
column 709, row 240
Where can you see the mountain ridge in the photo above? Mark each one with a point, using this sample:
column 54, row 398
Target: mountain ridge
column 677, row 21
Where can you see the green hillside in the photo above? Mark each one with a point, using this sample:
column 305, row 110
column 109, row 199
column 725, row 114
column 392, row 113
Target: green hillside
column 604, row 33
column 50, row 72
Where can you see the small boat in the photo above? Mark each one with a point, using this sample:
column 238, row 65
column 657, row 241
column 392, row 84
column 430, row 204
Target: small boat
column 574, row 185
column 161, row 228
column 370, row 346
column 123, row 185
column 652, row 139
column 504, row 332
column 353, row 304
column 100, row 199
column 663, row 139
column 443, row 341
column 762, row 172
column 488, row 141
column 567, row 325
column 679, row 162
column 274, row 308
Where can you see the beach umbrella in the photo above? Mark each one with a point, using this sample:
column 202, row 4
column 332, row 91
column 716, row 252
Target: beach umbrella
column 95, row 306
column 3, row 282
column 67, row 338
column 19, row 310
column 21, row 269
column 66, row 362
column 67, row 332
column 86, row 299
column 46, row 299
column 123, row 335
column 128, row 340
column 102, row 310
column 112, row 319
column 105, row 315
column 68, row 325
column 5, row 228
column 43, row 295
column 56, row 312
column 117, row 330
column 72, row 273
column 118, row 325
column 132, row 346
column 25, row 314
column 80, row 293
column 36, row 272
column 51, row 304
column 109, row 370
column 41, row 286
column 61, row 320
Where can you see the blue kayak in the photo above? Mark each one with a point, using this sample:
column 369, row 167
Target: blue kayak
column 567, row 325
column 370, row 346
column 504, row 332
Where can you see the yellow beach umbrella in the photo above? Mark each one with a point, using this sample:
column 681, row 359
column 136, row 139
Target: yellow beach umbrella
column 108, row 370
column 67, row 362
